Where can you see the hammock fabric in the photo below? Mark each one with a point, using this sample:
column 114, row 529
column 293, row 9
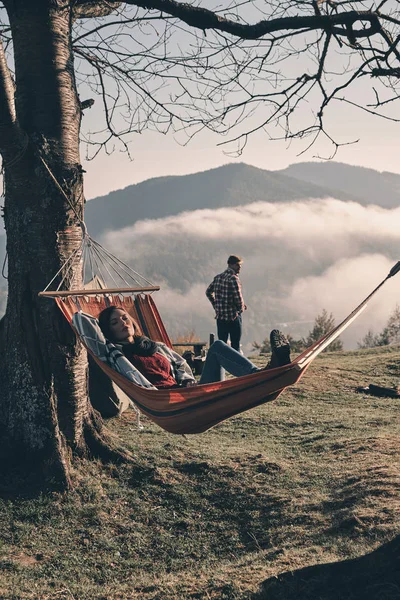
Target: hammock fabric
column 197, row 409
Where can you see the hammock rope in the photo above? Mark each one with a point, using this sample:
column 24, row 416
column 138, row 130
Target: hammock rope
column 338, row 330
column 97, row 265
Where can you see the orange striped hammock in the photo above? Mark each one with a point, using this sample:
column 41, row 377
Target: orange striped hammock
column 197, row 409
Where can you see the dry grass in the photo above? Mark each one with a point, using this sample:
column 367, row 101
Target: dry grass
column 311, row 479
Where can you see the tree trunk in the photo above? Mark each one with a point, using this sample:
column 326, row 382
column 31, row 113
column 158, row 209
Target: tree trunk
column 44, row 410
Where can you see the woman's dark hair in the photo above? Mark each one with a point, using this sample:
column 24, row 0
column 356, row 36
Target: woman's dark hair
column 105, row 318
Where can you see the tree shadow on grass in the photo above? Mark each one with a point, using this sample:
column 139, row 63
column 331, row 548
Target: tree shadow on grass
column 25, row 478
column 375, row 576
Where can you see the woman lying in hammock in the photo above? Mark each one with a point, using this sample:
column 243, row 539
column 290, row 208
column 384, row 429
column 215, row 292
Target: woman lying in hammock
column 164, row 368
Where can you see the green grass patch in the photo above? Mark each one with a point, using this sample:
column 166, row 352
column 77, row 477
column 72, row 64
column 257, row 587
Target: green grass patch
column 310, row 479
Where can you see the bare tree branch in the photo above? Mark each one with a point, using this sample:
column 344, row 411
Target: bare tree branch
column 86, row 9
column 230, row 76
column 202, row 18
column 114, row 24
column 380, row 72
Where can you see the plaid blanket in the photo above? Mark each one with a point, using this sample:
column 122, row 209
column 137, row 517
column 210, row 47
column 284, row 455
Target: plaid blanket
column 91, row 335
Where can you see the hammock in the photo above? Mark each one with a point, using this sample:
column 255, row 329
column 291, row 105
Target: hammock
column 196, row 409
column 183, row 410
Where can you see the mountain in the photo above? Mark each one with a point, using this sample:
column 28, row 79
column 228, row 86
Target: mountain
column 367, row 185
column 227, row 186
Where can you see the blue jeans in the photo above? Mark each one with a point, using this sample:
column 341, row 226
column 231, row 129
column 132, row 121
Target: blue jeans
column 232, row 329
column 221, row 356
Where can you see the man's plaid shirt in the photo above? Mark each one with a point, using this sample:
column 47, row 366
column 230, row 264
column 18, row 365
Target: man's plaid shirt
column 225, row 294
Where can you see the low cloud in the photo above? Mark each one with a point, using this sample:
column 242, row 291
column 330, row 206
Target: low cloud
column 299, row 258
column 296, row 224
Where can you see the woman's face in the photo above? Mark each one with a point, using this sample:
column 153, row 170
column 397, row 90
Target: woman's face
column 121, row 326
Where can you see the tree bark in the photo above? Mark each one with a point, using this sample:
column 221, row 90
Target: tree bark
column 45, row 415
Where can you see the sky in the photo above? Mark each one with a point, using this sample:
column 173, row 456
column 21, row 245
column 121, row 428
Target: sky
column 155, row 155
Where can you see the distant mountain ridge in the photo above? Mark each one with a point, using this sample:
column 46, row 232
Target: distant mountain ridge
column 368, row 185
column 227, row 186
column 239, row 184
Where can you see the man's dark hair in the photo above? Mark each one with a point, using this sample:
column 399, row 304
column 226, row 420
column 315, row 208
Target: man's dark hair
column 233, row 259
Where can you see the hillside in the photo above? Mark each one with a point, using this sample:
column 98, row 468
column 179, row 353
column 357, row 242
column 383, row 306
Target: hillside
column 368, row 185
column 294, row 500
column 230, row 185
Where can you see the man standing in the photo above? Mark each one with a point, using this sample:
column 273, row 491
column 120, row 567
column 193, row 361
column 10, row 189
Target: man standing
column 225, row 294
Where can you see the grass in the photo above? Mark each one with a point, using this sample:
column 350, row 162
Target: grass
column 296, row 499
